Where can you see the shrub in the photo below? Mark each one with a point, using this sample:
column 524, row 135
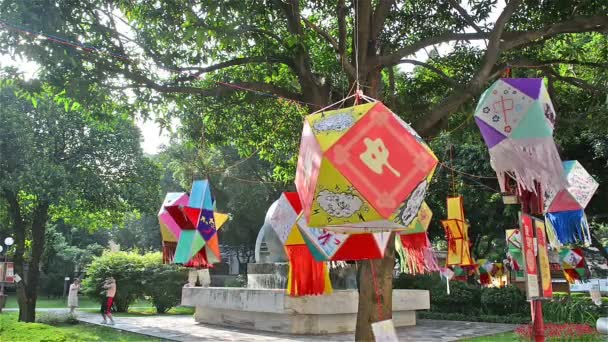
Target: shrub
column 463, row 298
column 504, row 301
column 164, row 285
column 128, row 268
column 238, row 281
column 578, row 309
column 56, row 318
column 136, row 276
column 421, row 282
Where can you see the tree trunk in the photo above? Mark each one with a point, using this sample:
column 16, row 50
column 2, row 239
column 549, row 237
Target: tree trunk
column 27, row 289
column 375, row 292
column 375, row 277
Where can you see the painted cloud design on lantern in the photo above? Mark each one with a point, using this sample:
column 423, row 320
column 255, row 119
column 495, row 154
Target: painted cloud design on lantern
column 413, row 204
column 339, row 204
column 338, row 122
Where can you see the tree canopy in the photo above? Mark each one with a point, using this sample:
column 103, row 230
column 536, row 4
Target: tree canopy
column 65, row 162
column 239, row 75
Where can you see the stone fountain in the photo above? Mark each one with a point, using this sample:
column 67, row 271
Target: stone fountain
column 264, row 305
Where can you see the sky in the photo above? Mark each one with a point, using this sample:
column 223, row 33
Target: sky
column 152, row 137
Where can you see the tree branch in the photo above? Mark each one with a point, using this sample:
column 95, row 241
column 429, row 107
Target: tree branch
column 456, row 5
column 220, row 90
column 235, row 62
column 452, row 102
column 322, row 33
column 510, row 39
column 574, row 25
column 341, row 28
column 334, row 44
column 380, row 13
column 432, row 68
column 555, row 75
column 395, row 57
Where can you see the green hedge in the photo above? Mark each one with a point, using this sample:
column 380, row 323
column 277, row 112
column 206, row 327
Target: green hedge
column 136, row 276
column 504, row 305
column 452, row 316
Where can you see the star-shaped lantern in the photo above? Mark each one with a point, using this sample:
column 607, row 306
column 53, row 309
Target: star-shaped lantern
column 361, row 169
column 189, row 227
column 516, row 119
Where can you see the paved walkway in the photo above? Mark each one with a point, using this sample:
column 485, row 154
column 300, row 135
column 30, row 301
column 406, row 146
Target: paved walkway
column 184, row 328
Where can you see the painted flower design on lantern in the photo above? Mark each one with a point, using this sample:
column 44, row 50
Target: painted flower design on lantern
column 338, row 122
column 412, row 206
column 339, row 204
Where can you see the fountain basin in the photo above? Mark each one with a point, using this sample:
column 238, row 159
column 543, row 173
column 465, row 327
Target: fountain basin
column 272, row 310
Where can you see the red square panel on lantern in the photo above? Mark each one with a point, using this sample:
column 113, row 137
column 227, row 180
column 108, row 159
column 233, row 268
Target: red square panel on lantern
column 382, row 160
column 307, row 171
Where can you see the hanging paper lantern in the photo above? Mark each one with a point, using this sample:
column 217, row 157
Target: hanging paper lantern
column 457, row 233
column 361, row 168
column 460, row 273
column 565, row 208
column 421, row 222
column 284, row 213
column 169, row 229
column 416, row 255
column 515, row 255
column 516, row 119
column 306, row 276
column 485, row 271
column 327, row 245
column 192, row 222
column 573, row 264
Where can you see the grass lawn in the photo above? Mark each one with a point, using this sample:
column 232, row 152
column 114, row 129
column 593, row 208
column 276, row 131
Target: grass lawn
column 150, row 311
column 52, row 303
column 511, row 336
column 58, row 303
column 504, row 337
column 11, row 330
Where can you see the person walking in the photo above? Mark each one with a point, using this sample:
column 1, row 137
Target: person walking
column 109, row 286
column 73, row 295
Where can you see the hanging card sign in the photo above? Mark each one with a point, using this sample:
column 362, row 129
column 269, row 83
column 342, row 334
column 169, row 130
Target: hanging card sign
column 543, row 259
column 527, row 230
column 384, row 331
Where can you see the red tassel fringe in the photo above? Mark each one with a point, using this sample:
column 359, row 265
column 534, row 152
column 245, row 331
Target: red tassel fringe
column 168, row 251
column 199, row 260
column 307, row 274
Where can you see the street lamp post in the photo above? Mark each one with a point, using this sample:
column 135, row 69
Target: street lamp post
column 8, row 242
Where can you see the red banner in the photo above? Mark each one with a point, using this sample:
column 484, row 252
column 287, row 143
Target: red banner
column 527, row 233
column 10, row 273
